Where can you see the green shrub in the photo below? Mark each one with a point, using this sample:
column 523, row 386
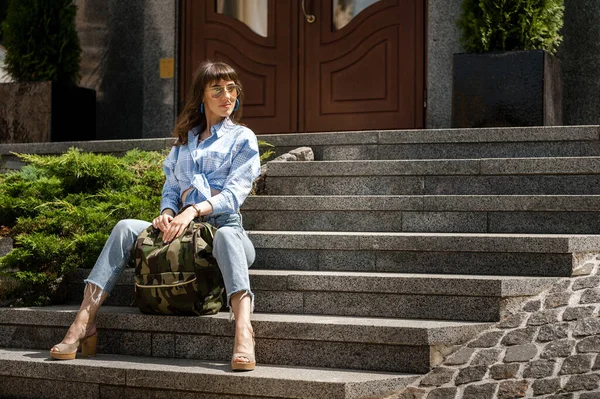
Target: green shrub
column 266, row 154
column 506, row 25
column 41, row 41
column 60, row 210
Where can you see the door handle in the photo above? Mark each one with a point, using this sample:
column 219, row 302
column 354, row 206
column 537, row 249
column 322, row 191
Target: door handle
column 309, row 17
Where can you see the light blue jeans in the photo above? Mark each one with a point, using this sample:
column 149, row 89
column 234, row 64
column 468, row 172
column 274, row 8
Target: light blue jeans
column 232, row 249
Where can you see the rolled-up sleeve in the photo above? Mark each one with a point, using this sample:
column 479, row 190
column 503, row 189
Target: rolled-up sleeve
column 245, row 168
column 171, row 197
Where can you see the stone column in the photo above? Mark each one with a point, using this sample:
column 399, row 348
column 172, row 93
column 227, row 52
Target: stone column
column 122, row 43
column 442, row 43
column 580, row 59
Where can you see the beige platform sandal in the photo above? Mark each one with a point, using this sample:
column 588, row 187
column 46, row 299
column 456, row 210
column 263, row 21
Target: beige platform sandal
column 243, row 366
column 247, row 365
column 69, row 351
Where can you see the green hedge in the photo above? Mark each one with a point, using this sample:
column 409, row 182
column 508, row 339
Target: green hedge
column 41, row 41
column 59, row 210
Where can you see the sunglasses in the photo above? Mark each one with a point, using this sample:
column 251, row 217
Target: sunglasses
column 218, row 91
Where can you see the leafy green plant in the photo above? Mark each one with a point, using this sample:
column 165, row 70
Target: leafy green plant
column 506, row 25
column 59, row 210
column 266, row 154
column 41, row 41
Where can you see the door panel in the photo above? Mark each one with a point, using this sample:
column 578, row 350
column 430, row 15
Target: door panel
column 371, row 83
column 369, row 73
column 267, row 66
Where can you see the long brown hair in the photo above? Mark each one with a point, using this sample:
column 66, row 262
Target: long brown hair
column 190, row 117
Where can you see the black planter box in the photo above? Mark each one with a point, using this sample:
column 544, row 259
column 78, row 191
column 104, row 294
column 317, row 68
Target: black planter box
column 513, row 88
column 32, row 112
column 73, row 114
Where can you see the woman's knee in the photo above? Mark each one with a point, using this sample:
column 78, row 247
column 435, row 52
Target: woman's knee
column 123, row 228
column 232, row 242
column 224, row 238
column 129, row 228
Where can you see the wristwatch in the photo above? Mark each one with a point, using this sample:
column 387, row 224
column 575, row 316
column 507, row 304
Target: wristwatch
column 197, row 209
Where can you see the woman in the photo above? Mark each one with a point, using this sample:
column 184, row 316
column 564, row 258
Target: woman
column 209, row 173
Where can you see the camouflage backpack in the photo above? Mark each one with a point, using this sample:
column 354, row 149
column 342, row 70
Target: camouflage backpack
column 181, row 277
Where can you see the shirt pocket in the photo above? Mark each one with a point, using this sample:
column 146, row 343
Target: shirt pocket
column 214, row 160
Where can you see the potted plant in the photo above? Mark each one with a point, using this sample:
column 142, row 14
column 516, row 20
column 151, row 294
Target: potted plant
column 508, row 75
column 43, row 53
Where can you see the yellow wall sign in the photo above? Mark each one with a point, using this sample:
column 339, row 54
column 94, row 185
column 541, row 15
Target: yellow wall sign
column 167, row 68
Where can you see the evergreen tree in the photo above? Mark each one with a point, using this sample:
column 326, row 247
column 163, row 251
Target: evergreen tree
column 41, row 41
column 506, row 25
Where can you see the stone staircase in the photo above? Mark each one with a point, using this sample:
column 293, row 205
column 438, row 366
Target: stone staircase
column 374, row 263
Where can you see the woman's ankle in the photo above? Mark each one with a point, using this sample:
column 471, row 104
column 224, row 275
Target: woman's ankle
column 243, row 328
column 82, row 328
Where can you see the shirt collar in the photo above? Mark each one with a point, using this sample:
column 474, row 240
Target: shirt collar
column 219, row 129
column 222, row 127
column 216, row 129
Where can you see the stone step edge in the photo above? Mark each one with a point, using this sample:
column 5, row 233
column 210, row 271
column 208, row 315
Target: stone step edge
column 376, row 283
column 429, row 203
column 411, row 332
column 426, row 242
column 385, row 137
column 437, row 136
column 438, row 167
column 195, row 376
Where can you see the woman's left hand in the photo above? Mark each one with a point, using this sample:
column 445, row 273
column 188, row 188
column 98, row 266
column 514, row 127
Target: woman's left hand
column 178, row 225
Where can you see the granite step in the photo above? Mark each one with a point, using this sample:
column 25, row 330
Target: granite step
column 28, row 374
column 542, row 214
column 503, row 176
column 542, row 141
column 548, row 255
column 361, row 343
column 416, row 296
column 556, row 141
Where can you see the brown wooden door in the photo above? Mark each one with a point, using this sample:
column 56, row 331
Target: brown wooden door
column 366, row 75
column 310, row 77
column 267, row 66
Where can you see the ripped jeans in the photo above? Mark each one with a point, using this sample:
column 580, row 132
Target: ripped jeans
column 232, row 249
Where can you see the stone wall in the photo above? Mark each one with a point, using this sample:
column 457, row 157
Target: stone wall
column 122, row 43
column 442, row 42
column 546, row 347
column 580, row 56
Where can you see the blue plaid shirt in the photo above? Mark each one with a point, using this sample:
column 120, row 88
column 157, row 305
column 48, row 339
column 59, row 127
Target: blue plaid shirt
column 227, row 161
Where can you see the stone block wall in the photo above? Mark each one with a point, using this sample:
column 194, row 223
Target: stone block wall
column 580, row 57
column 546, row 347
column 122, row 43
column 442, row 42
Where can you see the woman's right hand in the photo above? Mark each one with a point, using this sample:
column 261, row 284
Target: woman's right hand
column 162, row 222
